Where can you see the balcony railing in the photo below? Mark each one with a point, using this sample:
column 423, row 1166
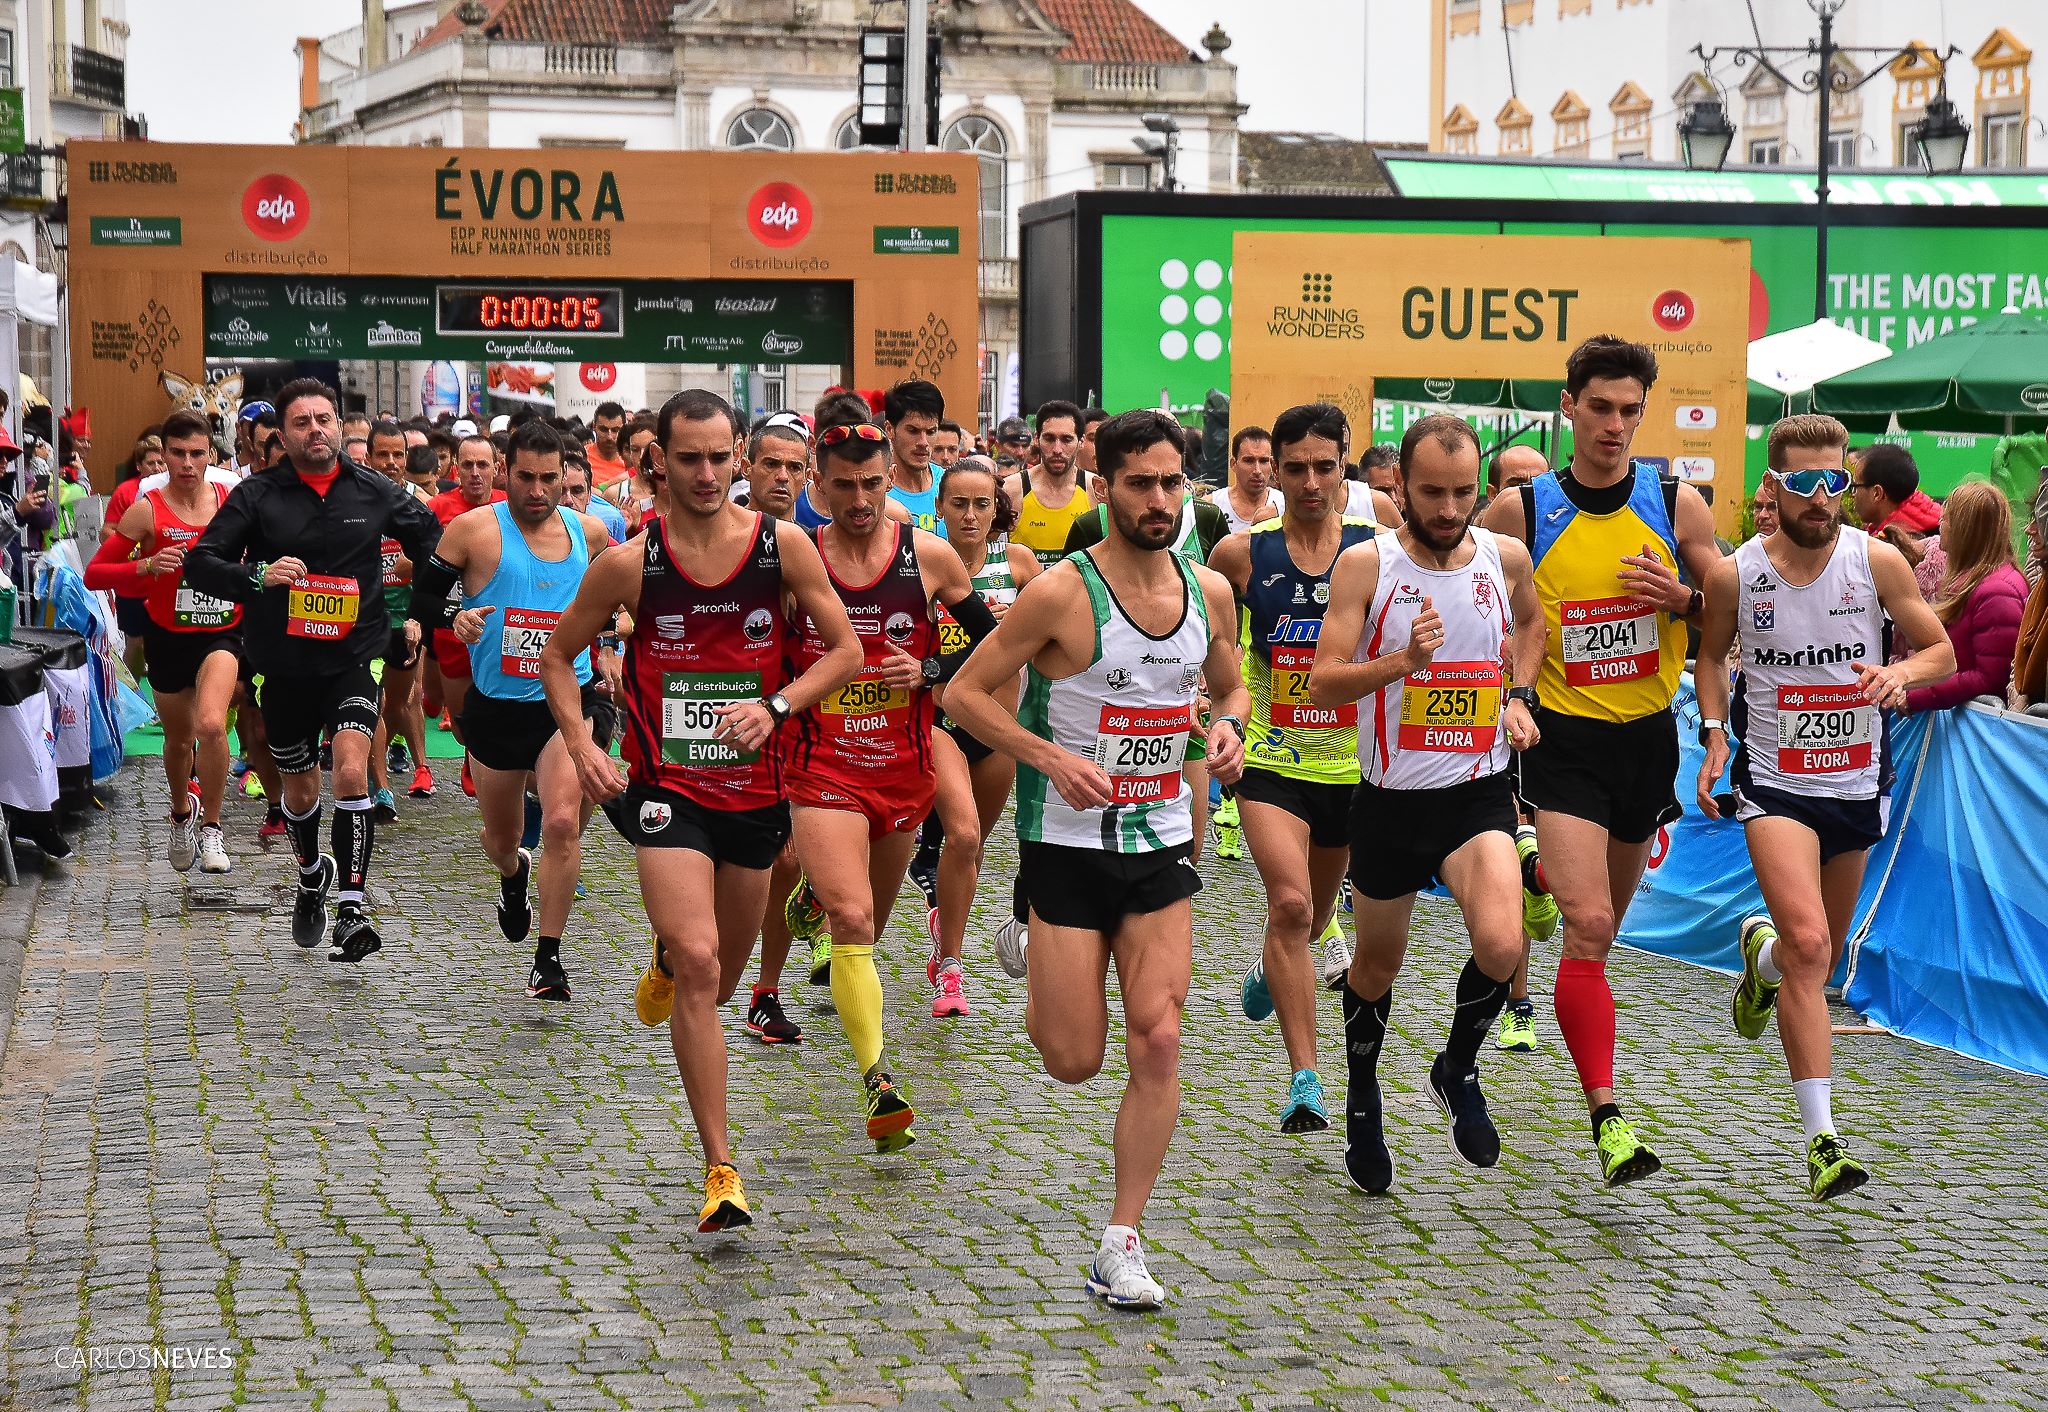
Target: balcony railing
column 100, row 78
column 21, row 176
column 999, row 279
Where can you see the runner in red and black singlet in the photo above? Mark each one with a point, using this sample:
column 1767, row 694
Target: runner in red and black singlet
column 710, row 588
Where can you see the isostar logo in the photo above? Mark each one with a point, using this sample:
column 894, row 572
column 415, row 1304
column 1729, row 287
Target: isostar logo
column 752, row 304
column 275, row 207
column 779, row 214
column 385, row 334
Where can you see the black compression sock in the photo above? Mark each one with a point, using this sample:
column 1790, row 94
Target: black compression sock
column 353, row 836
column 304, row 831
column 549, row 949
column 1365, row 1031
column 1480, row 998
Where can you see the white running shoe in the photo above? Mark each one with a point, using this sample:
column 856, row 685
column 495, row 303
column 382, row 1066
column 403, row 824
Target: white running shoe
column 213, row 850
column 1119, row 1277
column 185, row 836
column 1336, row 962
column 1009, row 941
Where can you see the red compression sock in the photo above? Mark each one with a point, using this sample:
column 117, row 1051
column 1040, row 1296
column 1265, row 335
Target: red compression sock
column 1585, row 1016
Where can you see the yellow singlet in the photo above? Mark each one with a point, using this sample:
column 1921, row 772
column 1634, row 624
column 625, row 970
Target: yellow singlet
column 1043, row 528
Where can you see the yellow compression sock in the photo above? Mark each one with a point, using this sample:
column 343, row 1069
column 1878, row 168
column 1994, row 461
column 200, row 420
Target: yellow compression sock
column 857, row 992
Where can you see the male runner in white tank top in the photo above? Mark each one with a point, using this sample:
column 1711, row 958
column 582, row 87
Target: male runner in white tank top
column 1419, row 626
column 1117, row 638
column 1808, row 602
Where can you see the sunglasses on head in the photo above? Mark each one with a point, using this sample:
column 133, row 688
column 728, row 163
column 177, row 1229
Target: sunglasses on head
column 1832, row 479
column 847, row 431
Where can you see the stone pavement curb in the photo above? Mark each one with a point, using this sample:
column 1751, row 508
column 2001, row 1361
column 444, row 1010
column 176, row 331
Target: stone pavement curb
column 17, row 916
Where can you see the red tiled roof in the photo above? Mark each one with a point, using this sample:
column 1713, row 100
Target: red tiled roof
column 1113, row 32
column 566, row 22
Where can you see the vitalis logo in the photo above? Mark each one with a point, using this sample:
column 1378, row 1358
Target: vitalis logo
column 385, row 334
column 779, row 214
column 1316, row 315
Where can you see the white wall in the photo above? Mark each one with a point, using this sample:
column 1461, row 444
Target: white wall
column 638, row 122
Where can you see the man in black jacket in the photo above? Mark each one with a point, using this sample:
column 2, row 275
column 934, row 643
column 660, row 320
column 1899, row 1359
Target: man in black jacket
column 300, row 546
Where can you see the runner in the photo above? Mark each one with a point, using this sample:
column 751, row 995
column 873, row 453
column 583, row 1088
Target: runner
column 1808, row 604
column 404, row 716
column 476, row 474
column 299, row 545
column 519, row 562
column 1419, row 627
column 1301, row 759
column 705, row 691
column 1250, row 498
column 608, row 464
column 949, row 444
column 1116, row 639
column 194, row 641
column 576, row 494
column 911, row 414
column 1049, row 497
column 1608, row 538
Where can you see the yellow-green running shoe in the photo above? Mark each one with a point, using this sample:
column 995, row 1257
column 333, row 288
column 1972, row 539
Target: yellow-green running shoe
column 1755, row 997
column 821, row 959
column 1830, row 1170
column 1229, row 841
column 1226, row 812
column 1624, row 1157
column 1517, row 1032
column 889, row 1114
column 800, row 910
column 1539, row 908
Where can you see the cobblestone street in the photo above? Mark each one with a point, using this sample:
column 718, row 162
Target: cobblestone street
column 408, row 1186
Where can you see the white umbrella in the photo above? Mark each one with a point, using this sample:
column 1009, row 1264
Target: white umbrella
column 1793, row 361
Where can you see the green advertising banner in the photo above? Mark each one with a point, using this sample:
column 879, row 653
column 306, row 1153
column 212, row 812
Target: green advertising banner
column 1166, row 300
column 136, row 231
column 13, row 121
column 708, row 321
column 1771, row 186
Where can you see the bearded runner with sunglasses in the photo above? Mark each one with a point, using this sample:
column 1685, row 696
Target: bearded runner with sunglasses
column 1609, row 537
column 1808, row 603
column 861, row 773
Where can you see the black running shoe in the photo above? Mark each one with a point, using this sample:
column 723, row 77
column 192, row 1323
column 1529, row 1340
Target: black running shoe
column 1473, row 1136
column 547, row 980
column 925, row 873
column 767, row 1023
column 354, row 935
column 515, row 908
column 309, row 909
column 327, row 755
column 1366, row 1159
column 396, row 758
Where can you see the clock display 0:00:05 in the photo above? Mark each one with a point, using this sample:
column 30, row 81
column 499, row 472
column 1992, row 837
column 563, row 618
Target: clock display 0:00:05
column 501, row 308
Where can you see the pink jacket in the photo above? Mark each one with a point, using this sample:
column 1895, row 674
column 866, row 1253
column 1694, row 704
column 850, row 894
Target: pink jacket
column 1984, row 634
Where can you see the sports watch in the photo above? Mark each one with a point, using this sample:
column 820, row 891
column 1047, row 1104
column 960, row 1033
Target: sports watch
column 932, row 668
column 1527, row 696
column 778, row 706
column 1709, row 723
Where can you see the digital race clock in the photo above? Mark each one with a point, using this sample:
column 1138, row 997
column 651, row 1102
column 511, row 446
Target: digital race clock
column 527, row 308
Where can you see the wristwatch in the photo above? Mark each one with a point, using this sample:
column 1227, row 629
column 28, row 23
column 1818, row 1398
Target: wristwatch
column 1235, row 723
column 932, row 668
column 1708, row 723
column 778, row 706
column 1694, row 604
column 1526, row 695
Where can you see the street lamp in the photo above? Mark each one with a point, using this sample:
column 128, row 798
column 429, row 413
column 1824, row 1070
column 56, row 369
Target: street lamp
column 1942, row 134
column 1168, row 150
column 1705, row 136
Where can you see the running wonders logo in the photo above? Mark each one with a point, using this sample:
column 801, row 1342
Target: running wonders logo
column 275, row 207
column 779, row 214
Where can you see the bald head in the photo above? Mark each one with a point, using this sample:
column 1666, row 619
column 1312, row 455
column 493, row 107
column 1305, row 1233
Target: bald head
column 1516, row 465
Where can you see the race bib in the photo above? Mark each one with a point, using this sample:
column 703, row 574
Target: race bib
column 865, row 704
column 322, row 606
column 1452, row 708
column 391, row 552
column 953, row 638
column 1824, row 730
column 194, row 609
column 690, row 721
column 526, row 633
column 1141, row 749
column 1290, row 705
column 1608, row 640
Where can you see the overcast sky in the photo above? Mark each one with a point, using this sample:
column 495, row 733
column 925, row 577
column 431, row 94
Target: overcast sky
column 235, row 78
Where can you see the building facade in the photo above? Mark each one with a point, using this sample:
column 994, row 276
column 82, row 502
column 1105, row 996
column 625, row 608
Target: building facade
column 1609, row 80
column 1049, row 94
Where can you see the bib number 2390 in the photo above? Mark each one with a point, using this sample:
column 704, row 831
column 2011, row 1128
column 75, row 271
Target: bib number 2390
column 1141, row 748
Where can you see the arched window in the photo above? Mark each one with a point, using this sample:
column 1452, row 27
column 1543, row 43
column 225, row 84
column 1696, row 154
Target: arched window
column 985, row 140
column 848, row 136
column 761, row 129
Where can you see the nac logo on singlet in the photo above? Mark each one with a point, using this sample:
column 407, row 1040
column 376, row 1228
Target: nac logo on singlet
column 779, row 214
column 275, row 207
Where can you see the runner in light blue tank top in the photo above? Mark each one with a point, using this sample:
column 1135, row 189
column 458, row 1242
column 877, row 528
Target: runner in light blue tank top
column 526, row 597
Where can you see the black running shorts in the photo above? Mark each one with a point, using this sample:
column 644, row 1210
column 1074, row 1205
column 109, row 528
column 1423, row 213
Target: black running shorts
column 175, row 657
column 1401, row 837
column 510, row 735
column 1621, row 776
column 298, row 711
column 1841, row 825
column 1094, row 890
column 648, row 816
column 1325, row 808
column 973, row 749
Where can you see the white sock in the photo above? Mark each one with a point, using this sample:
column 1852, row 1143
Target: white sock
column 1767, row 962
column 1118, row 1237
column 1816, row 1105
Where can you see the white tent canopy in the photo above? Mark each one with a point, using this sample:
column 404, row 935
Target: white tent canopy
column 1793, row 361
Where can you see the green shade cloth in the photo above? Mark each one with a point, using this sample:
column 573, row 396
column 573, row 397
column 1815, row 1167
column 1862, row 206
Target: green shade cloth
column 1968, row 380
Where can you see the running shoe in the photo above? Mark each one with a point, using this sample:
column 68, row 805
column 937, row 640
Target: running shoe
column 1344, row 893
column 1305, row 1112
column 1624, row 1157
column 801, row 912
column 185, row 836
column 1517, row 1032
column 1229, row 842
column 725, row 1201
column 1252, row 995
column 385, row 806
column 468, row 784
column 925, row 873
column 529, row 829
column 889, row 1114
column 1119, row 1278
column 397, row 759
column 1830, row 1170
column 515, row 907
column 1336, row 962
column 821, row 959
column 252, row 787
column 949, row 994
column 237, row 767
column 272, row 826
column 1754, row 996
column 654, row 997
column 354, row 935
column 1539, row 908
column 447, row 722
column 309, row 908
column 767, row 1023
column 327, row 754
column 213, row 850
column 422, row 786
column 1009, row 941
column 547, row 980
column 1366, row 1159
column 1473, row 1136
column 932, row 959
column 1226, row 813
